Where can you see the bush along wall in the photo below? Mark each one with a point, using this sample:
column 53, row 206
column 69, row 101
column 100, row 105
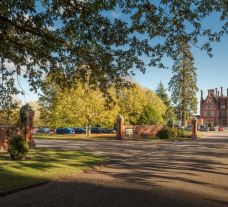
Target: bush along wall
column 167, row 133
column 18, row 147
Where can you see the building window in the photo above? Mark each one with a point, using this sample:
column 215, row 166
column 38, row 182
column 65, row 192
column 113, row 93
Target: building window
column 223, row 113
column 223, row 122
column 208, row 107
column 209, row 113
column 223, row 107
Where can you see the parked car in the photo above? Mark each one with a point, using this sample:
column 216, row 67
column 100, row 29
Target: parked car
column 35, row 130
column 43, row 130
column 95, row 130
column 69, row 131
column 189, row 128
column 99, row 130
column 104, row 131
column 79, row 130
column 204, row 129
column 108, row 131
column 221, row 128
column 60, row 131
column 52, row 131
column 65, row 131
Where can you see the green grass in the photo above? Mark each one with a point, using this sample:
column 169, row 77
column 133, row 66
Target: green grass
column 76, row 137
column 79, row 137
column 43, row 165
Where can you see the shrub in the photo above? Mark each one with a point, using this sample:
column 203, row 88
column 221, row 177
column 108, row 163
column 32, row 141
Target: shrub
column 211, row 129
column 172, row 132
column 18, row 147
column 163, row 133
column 209, row 125
column 166, row 133
column 181, row 133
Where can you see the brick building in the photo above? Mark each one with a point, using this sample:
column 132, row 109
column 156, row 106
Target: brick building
column 214, row 108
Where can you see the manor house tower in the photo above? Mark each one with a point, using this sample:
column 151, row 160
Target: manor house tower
column 214, row 108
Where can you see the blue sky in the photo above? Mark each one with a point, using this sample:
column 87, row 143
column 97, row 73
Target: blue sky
column 211, row 72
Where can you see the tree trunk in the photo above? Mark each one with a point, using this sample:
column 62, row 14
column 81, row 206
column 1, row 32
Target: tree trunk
column 183, row 119
column 88, row 129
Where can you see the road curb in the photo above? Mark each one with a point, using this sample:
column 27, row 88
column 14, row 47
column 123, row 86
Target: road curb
column 5, row 193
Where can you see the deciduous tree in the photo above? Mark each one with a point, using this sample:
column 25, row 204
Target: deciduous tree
column 80, row 105
column 139, row 105
column 39, row 36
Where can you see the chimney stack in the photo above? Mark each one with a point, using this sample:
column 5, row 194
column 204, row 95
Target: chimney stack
column 216, row 92
column 227, row 91
column 202, row 93
column 221, row 91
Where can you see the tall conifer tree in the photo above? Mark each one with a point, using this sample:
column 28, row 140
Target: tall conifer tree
column 169, row 115
column 183, row 84
column 161, row 92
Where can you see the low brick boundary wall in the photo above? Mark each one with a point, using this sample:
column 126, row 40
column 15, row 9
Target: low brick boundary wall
column 141, row 131
column 3, row 139
column 4, row 136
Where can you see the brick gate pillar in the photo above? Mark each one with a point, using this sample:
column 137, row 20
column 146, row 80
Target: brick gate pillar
column 120, row 127
column 28, row 129
column 194, row 127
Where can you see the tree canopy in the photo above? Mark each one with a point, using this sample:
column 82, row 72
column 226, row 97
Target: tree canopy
column 108, row 38
column 86, row 105
column 79, row 105
column 139, row 105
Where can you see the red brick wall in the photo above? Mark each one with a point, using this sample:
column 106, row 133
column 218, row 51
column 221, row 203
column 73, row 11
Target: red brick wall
column 143, row 131
column 3, row 138
column 26, row 132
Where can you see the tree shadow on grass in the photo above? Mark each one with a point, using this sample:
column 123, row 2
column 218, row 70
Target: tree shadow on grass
column 10, row 180
column 184, row 163
column 43, row 165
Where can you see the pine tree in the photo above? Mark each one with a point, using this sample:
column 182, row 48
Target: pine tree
column 161, row 92
column 169, row 115
column 183, row 84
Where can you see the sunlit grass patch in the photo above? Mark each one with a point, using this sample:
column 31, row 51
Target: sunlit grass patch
column 43, row 165
column 74, row 136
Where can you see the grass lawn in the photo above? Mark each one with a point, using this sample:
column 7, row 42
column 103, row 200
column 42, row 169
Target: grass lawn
column 79, row 137
column 74, row 136
column 43, row 165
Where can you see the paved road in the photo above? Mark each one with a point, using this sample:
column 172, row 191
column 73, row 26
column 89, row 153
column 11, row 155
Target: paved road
column 140, row 174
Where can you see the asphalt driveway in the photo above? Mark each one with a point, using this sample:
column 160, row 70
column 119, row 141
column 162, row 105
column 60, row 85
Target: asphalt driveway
column 140, row 173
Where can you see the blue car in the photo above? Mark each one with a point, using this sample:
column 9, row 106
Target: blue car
column 95, row 130
column 65, row 131
column 79, row 130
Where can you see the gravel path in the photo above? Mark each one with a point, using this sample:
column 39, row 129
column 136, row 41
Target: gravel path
column 140, row 174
